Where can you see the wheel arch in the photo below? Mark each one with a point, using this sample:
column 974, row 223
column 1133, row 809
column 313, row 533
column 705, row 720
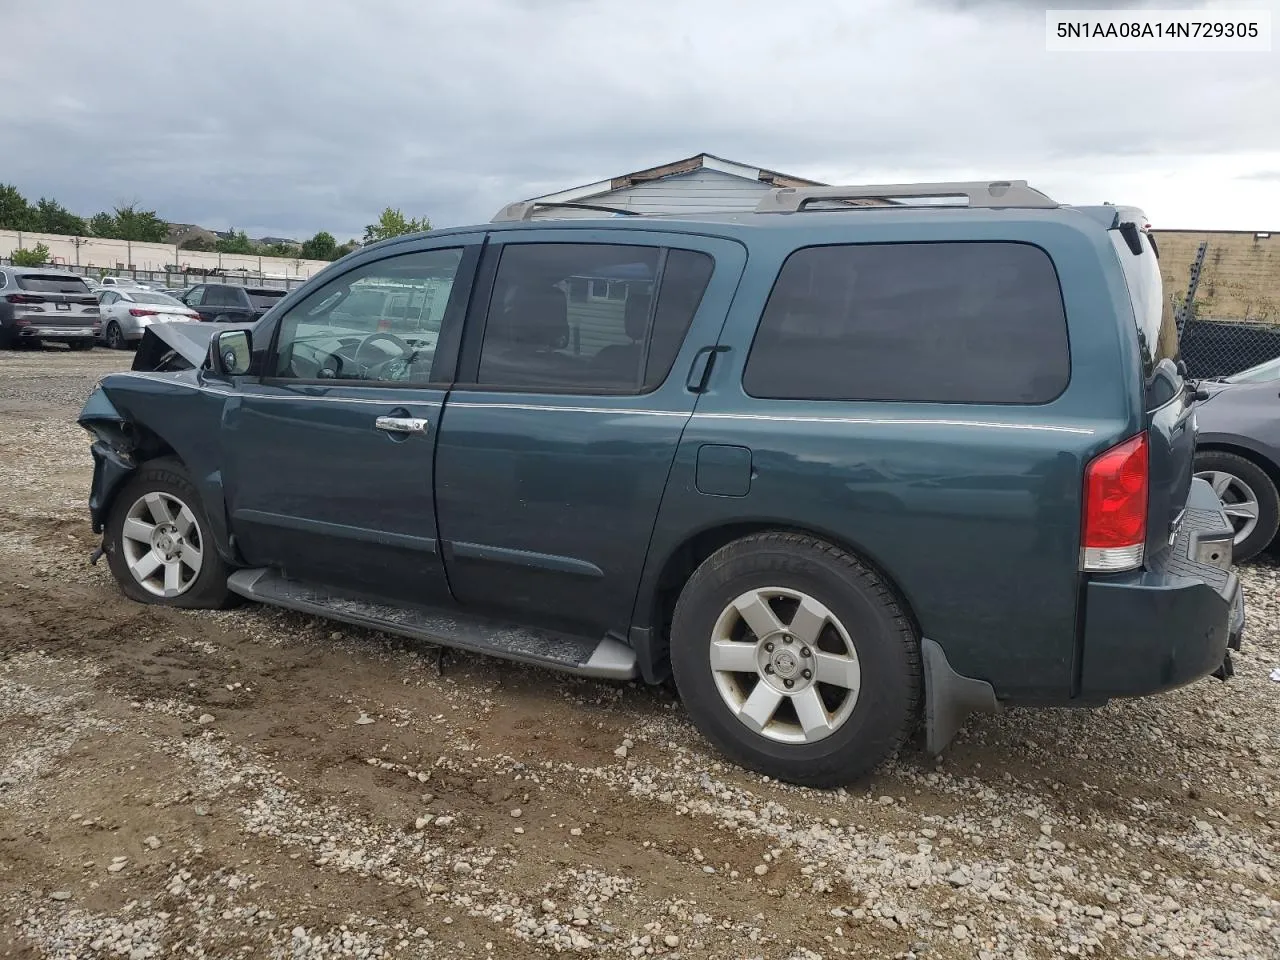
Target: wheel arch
column 1225, row 444
column 661, row 589
column 122, row 446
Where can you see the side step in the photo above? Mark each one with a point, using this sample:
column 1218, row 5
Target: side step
column 605, row 658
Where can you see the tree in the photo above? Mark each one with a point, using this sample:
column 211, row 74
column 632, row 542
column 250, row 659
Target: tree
column 238, row 242
column 52, row 217
column 319, row 247
column 278, row 250
column 103, row 225
column 140, row 226
column 30, row 258
column 392, row 223
column 15, row 212
column 346, row 248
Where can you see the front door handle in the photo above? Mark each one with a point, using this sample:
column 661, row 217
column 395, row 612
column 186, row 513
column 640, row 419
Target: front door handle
column 401, row 424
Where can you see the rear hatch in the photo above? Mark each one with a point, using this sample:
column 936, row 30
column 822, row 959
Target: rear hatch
column 52, row 300
column 1168, row 401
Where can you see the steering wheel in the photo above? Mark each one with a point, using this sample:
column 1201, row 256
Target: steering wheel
column 406, row 351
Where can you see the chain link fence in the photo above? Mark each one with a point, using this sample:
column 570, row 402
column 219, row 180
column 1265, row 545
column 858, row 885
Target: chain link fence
column 1219, row 348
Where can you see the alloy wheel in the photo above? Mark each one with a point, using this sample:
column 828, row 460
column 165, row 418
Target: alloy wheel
column 1239, row 502
column 784, row 665
column 162, row 543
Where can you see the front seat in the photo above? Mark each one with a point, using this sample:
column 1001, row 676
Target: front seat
column 621, row 361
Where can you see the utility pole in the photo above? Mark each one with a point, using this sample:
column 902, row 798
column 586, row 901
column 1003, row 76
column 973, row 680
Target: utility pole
column 79, row 242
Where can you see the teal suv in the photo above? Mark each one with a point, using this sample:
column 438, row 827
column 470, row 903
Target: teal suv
column 863, row 459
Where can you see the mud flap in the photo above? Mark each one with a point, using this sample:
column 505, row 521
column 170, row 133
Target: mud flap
column 949, row 698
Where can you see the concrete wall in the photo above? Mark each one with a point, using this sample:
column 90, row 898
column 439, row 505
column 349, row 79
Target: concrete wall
column 1241, row 275
column 121, row 254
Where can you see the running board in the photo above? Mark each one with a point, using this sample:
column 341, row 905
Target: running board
column 606, row 658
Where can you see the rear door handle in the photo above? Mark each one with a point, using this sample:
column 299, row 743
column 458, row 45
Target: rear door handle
column 700, row 369
column 401, row 424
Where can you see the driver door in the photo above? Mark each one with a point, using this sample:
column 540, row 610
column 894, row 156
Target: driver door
column 331, row 451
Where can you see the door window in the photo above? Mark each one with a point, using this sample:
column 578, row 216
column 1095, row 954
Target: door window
column 379, row 322
column 582, row 318
column 194, row 297
column 109, row 298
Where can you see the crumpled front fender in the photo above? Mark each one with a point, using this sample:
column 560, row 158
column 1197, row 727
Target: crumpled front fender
column 113, row 461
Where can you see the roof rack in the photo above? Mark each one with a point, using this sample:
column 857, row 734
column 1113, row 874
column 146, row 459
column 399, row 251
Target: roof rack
column 524, row 209
column 998, row 193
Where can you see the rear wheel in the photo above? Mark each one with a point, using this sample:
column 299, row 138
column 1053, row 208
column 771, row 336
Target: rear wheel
column 796, row 660
column 1248, row 496
column 158, row 541
column 85, row 344
column 114, row 336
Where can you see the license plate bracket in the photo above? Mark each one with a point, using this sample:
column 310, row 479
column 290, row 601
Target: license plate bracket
column 63, row 306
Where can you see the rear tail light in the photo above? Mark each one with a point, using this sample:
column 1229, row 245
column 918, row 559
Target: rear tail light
column 193, row 315
column 23, row 298
column 1114, row 531
column 139, row 312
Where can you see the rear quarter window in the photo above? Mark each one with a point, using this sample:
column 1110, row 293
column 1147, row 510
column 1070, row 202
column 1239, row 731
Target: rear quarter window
column 264, row 299
column 924, row 322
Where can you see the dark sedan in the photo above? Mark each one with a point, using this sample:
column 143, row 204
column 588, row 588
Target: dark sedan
column 1238, row 452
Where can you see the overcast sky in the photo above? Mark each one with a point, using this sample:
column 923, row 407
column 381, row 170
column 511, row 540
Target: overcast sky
column 282, row 117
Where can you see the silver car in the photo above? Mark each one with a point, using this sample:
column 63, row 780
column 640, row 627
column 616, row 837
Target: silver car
column 127, row 312
column 39, row 305
column 1238, row 452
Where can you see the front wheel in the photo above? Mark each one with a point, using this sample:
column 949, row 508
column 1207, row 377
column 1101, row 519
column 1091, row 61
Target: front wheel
column 1249, row 499
column 796, row 659
column 158, row 541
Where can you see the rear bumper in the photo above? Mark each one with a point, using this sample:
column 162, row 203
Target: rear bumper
column 36, row 331
column 1156, row 629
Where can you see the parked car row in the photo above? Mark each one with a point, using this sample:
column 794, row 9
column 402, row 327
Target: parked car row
column 49, row 305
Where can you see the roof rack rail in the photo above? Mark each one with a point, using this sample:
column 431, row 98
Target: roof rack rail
column 998, row 193
column 524, row 209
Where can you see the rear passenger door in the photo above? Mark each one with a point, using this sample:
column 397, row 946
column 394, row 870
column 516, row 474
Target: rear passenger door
column 571, row 396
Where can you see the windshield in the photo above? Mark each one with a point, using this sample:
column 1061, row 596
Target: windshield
column 1259, row 374
column 51, row 283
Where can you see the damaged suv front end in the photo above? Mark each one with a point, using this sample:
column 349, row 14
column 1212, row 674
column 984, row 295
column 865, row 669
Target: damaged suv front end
column 162, row 407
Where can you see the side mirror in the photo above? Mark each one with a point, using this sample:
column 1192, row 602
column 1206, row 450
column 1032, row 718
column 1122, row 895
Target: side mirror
column 230, row 352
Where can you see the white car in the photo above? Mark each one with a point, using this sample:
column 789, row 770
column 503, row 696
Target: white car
column 128, row 311
column 128, row 282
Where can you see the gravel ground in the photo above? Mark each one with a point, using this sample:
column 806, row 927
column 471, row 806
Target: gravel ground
column 257, row 783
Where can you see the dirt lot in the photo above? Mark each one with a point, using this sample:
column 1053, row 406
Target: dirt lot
column 262, row 784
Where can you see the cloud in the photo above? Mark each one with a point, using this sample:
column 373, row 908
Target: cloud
column 1273, row 175
column 288, row 117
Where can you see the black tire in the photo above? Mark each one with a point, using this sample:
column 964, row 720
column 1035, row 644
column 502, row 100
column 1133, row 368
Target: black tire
column 888, row 649
column 113, row 336
column 208, row 590
column 85, row 344
column 1263, row 487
